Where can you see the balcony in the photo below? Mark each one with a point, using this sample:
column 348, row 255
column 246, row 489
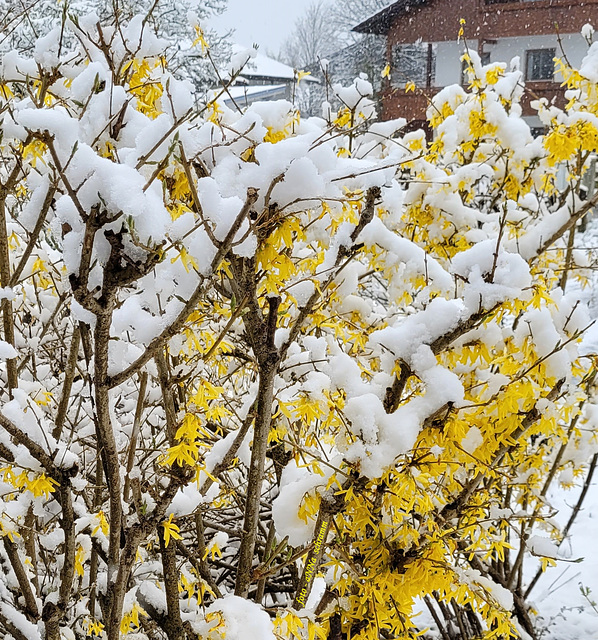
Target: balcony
column 396, row 103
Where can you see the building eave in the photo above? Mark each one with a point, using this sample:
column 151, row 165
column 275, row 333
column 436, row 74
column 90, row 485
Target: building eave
column 380, row 23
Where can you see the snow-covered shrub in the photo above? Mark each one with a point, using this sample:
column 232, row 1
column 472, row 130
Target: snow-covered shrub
column 245, row 354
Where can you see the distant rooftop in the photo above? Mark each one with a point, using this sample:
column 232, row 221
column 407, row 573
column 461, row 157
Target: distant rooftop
column 262, row 67
column 380, row 22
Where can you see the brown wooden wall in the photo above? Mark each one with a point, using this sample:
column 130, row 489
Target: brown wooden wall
column 439, row 20
column 397, row 103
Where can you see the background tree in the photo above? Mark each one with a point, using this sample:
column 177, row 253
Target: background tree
column 246, row 354
column 22, row 23
column 324, row 32
column 349, row 13
column 312, row 38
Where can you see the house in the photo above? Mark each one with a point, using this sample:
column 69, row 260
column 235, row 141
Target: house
column 422, row 46
column 262, row 79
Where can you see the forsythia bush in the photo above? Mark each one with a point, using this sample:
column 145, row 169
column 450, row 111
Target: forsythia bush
column 266, row 377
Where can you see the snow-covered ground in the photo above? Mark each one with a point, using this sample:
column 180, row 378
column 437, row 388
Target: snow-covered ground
column 563, row 611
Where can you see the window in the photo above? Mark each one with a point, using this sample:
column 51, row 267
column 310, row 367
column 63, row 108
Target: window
column 540, row 64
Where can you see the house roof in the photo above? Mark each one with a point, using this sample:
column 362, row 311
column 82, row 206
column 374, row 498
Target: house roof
column 264, row 67
column 380, row 22
column 261, row 67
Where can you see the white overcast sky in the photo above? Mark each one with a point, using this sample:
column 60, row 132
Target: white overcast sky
column 265, row 22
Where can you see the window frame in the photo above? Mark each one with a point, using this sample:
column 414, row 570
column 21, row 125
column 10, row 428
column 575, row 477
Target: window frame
column 528, row 56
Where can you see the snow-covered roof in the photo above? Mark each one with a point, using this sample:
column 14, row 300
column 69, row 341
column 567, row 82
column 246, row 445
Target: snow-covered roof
column 381, row 21
column 264, row 67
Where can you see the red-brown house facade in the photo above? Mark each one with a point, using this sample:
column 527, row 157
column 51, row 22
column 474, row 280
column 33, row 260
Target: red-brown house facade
column 422, row 42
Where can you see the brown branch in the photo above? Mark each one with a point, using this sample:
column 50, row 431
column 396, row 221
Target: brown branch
column 54, row 612
column 12, row 628
column 230, row 455
column 204, row 570
column 432, row 610
column 367, row 214
column 133, row 538
column 191, row 303
column 268, row 548
column 174, row 630
column 568, row 259
column 254, row 483
column 167, row 399
column 36, row 450
column 394, row 392
column 6, row 304
column 314, row 557
column 80, row 280
column 12, row 552
column 106, row 439
column 49, row 141
column 39, row 225
column 28, row 533
column 587, row 206
column 195, row 197
column 67, row 385
column 269, row 360
column 135, row 433
column 119, row 585
column 94, row 561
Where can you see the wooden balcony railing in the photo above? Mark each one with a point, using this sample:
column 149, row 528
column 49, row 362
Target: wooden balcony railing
column 396, row 103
